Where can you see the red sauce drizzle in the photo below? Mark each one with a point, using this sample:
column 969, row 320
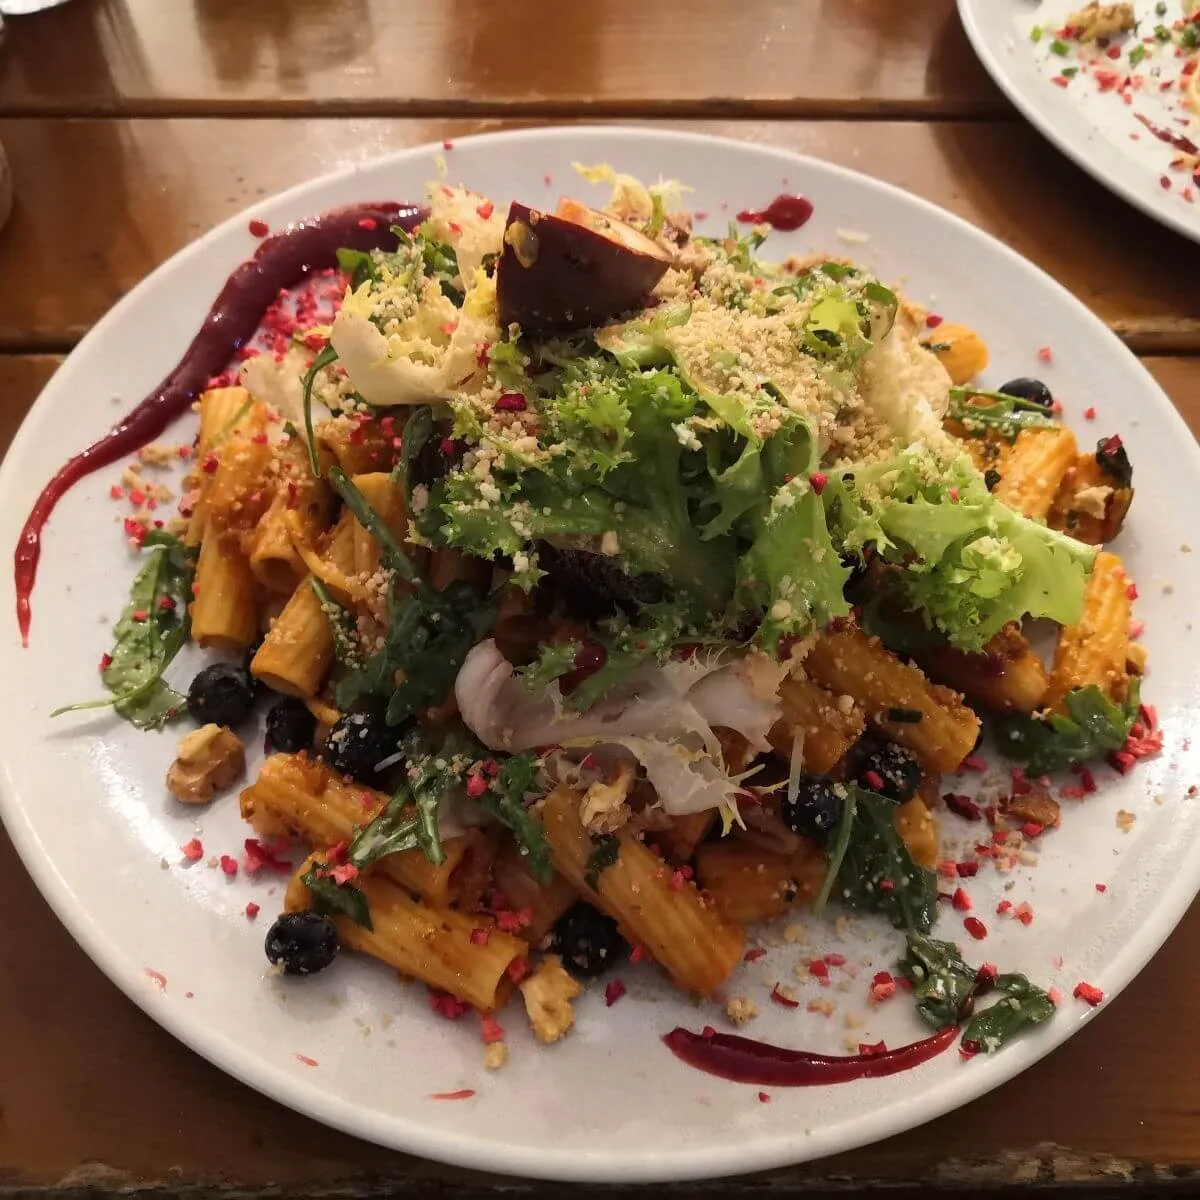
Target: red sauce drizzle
column 784, row 213
column 744, row 1060
column 279, row 262
column 1170, row 137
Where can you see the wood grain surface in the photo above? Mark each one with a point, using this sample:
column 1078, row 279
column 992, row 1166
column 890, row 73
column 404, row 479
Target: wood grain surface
column 132, row 126
column 677, row 57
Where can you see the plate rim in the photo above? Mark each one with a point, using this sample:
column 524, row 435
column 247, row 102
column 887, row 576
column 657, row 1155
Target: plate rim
column 1056, row 125
column 407, row 1134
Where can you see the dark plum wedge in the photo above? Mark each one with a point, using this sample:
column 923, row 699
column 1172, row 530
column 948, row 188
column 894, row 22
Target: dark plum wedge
column 573, row 270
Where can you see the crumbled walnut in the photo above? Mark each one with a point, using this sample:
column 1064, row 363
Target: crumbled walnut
column 603, row 808
column 1039, row 807
column 495, row 1056
column 741, row 1009
column 1096, row 20
column 548, row 993
column 208, row 759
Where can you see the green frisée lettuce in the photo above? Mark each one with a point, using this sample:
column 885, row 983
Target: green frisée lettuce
column 965, row 561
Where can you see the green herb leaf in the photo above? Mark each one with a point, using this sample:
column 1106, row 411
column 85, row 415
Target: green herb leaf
column 331, row 897
column 151, row 630
column 607, row 849
column 554, row 660
column 391, row 831
column 328, row 355
column 1024, row 1003
column 1059, row 47
column 358, row 264
column 837, row 851
column 506, row 800
column 877, row 873
column 1005, row 417
column 946, row 989
column 1092, row 726
column 1137, row 54
column 341, row 626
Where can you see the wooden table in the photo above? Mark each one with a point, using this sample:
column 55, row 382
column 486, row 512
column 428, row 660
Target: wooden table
column 134, row 125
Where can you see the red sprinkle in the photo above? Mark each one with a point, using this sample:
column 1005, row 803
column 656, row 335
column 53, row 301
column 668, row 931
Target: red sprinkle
column 476, row 785
column 975, row 927
column 780, row 998
column 479, row 936
column 308, row 1062
column 1032, row 829
column 961, row 900
column 512, row 922
column 485, row 210
column 252, row 910
column 1102, row 887
column 1046, row 354
column 1085, row 991
column 116, row 491
column 974, row 762
column 754, row 955
column 835, row 960
column 962, row 806
column 818, row 479
column 764, row 1097
column 638, row 953
column 446, row 1005
column 193, row 851
column 818, row 968
column 344, row 873
column 1003, row 907
column 873, row 780
column 259, row 856
column 228, row 864
column 462, row 1094
column 933, row 320
column 518, row 969
column 490, row 1029
column 613, row 991
column 511, row 402
column 156, row 977
column 105, row 661
column 1089, row 414
column 965, row 870
column 259, row 228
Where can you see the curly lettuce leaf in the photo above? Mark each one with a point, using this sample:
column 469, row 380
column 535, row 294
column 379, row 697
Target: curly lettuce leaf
column 1091, row 727
column 966, row 562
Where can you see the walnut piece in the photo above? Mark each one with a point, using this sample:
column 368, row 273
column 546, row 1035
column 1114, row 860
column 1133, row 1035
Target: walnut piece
column 1039, row 807
column 208, row 759
column 548, row 993
column 603, row 808
column 1098, row 20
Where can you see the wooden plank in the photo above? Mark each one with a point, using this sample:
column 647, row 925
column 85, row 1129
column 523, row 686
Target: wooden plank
column 614, row 57
column 1116, row 1103
column 100, row 203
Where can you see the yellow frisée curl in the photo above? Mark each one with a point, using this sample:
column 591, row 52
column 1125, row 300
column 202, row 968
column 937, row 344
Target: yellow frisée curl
column 631, row 199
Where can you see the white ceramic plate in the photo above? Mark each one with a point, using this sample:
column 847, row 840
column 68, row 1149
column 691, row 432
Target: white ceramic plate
column 84, row 801
column 1094, row 128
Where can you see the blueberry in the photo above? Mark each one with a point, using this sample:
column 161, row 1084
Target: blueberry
column 891, row 771
column 359, row 742
column 290, row 726
column 1029, row 389
column 222, row 694
column 587, row 940
column 816, row 809
column 991, row 477
column 303, row 943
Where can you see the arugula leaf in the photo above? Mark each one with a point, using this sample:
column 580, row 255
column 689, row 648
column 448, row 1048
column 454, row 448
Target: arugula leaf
column 1024, row 1004
column 418, row 430
column 946, row 988
column 877, row 872
column 151, row 630
column 505, row 800
column 332, row 897
column 390, row 552
column 391, row 831
column 341, row 625
column 1092, row 726
column 837, row 851
column 1006, row 416
column 606, row 851
column 943, row 984
column 328, row 355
